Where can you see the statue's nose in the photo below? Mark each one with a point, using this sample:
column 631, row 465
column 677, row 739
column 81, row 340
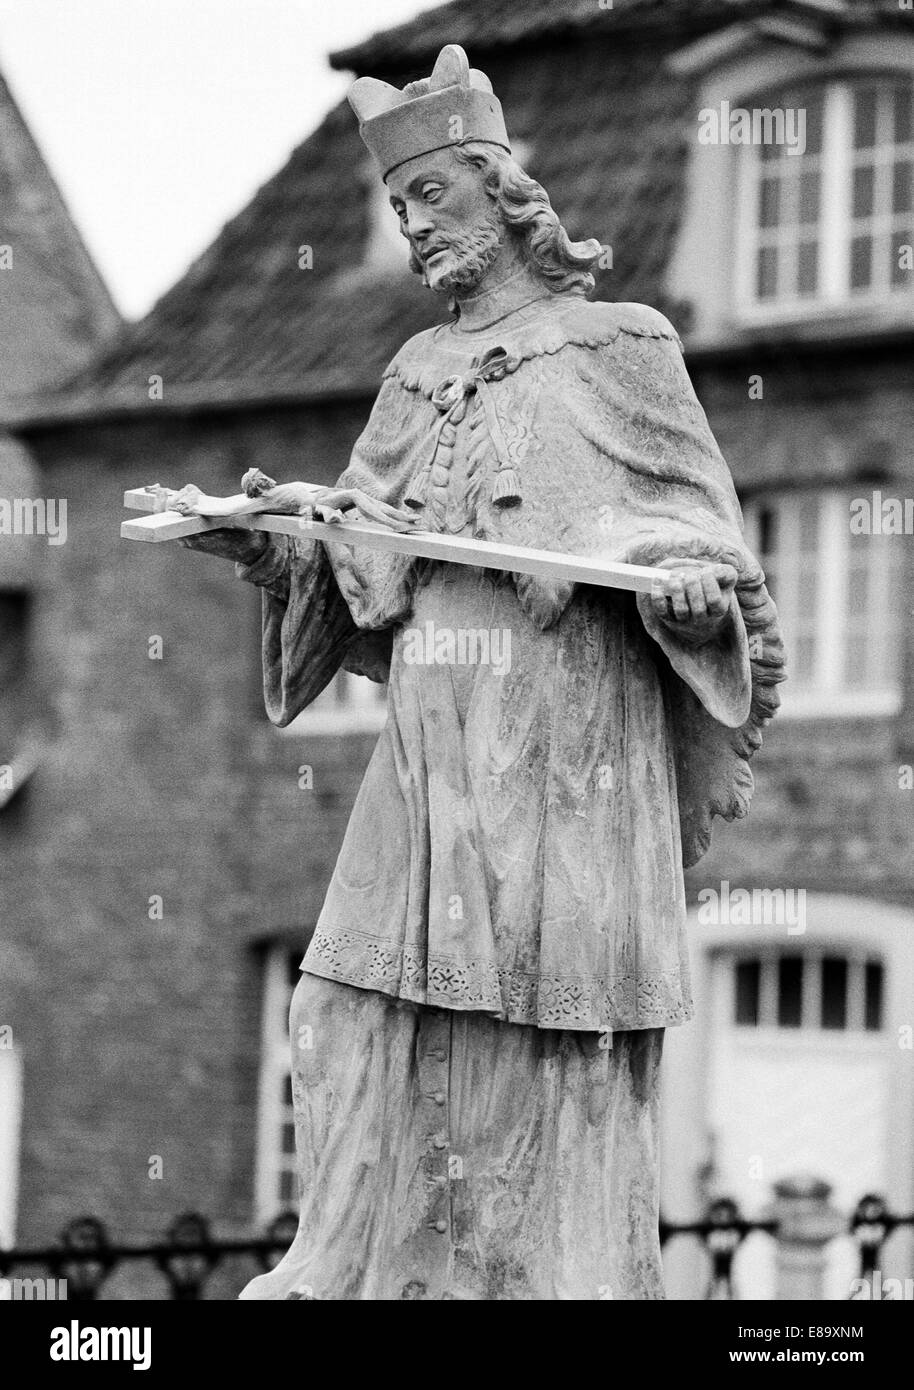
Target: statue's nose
column 419, row 221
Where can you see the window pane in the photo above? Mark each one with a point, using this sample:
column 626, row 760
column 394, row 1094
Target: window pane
column 790, row 991
column 287, row 1090
column 808, row 267
column 858, row 585
column 767, row 283
column 809, row 505
column 767, row 530
column 790, row 198
column 287, row 1191
column 861, row 262
column 809, row 196
column 748, row 976
column 769, row 202
column 902, row 114
column 770, row 152
column 901, row 186
column 288, row 1138
column 872, row 1008
column 864, row 184
column 858, row 672
column 900, row 257
column 814, row 106
column 865, row 119
column 834, row 992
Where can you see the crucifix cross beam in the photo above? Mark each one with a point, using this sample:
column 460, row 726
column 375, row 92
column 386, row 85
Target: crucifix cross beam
column 167, row 525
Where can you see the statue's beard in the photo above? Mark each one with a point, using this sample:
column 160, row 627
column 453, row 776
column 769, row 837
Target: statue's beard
column 475, row 252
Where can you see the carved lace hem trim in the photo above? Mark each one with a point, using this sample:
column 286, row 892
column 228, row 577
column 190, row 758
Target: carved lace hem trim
column 513, row 996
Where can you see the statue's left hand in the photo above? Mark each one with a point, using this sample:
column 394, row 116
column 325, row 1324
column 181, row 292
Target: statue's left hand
column 694, row 599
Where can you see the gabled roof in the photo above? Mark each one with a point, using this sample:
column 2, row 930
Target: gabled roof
column 486, row 25
column 54, row 306
column 609, row 128
column 246, row 324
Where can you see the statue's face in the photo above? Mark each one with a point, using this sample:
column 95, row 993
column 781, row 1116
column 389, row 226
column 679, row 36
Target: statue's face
column 449, row 219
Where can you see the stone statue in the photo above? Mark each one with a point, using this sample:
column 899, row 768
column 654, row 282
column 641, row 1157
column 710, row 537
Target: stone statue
column 477, row 1031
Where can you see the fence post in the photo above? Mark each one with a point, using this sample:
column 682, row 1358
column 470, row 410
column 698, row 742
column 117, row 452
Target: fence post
column 807, row 1221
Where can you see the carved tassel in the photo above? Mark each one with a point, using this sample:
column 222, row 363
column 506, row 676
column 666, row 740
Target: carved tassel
column 506, row 492
column 417, row 492
column 506, row 488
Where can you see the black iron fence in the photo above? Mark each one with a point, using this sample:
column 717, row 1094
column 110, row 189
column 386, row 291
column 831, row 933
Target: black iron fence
column 188, row 1254
column 802, row 1224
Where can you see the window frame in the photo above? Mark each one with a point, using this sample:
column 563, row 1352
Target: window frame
column 810, row 1027
column 11, row 1116
column 275, row 1073
column 829, row 695
column 834, row 297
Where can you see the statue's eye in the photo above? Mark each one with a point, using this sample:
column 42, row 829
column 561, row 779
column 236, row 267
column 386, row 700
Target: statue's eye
column 431, row 192
column 399, row 209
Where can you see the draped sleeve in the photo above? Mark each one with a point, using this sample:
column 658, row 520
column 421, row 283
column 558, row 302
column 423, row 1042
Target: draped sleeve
column 309, row 632
column 717, row 670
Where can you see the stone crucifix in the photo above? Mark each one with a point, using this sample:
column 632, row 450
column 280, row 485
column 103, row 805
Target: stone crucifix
column 502, row 943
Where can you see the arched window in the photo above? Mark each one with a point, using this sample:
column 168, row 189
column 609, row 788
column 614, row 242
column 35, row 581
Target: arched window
column 827, row 220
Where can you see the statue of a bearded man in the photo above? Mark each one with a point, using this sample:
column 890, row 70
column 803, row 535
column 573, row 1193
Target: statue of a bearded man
column 503, row 940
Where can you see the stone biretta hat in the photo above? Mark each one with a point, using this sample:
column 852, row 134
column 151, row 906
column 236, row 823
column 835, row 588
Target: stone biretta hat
column 454, row 105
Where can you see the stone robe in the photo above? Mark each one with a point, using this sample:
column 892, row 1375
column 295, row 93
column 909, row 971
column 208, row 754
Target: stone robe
column 512, row 870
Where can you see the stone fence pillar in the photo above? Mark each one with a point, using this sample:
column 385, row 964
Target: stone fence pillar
column 807, row 1221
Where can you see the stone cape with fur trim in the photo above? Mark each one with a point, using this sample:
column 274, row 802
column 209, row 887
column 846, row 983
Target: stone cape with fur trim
column 612, row 457
column 517, row 843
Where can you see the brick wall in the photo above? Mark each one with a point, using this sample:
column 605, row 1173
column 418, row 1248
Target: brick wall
column 162, row 777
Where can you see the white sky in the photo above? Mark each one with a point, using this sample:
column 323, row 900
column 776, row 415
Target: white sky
column 160, row 118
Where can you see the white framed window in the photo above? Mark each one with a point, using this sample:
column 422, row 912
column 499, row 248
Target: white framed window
column 349, row 705
column 10, row 1134
column 839, row 599
column 816, row 990
column 832, row 227
column 276, row 1182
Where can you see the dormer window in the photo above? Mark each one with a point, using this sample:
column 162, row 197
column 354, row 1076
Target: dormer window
column 828, row 222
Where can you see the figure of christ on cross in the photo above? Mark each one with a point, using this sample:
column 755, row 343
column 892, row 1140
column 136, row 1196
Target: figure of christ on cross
column 502, row 943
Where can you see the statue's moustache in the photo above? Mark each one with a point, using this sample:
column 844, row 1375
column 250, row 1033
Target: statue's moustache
column 445, row 244
column 460, row 242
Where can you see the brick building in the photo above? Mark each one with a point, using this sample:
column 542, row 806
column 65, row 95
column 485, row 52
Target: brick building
column 173, row 849
column 55, row 314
